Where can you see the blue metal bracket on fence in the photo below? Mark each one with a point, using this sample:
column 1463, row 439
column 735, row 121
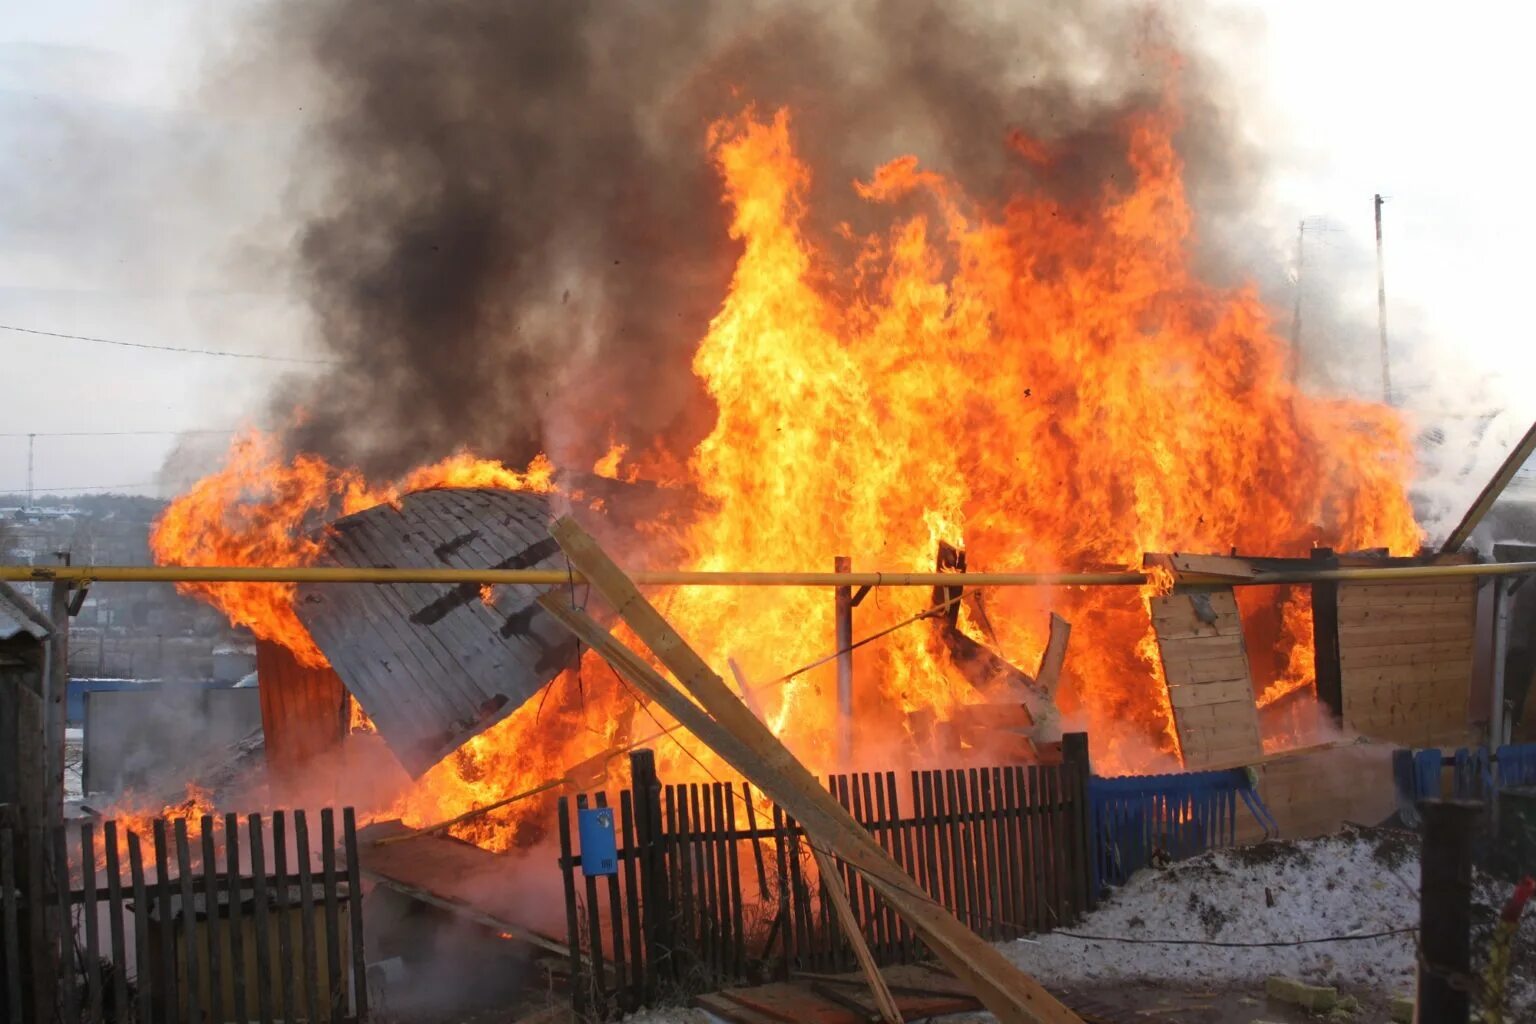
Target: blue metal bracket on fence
column 1141, row 819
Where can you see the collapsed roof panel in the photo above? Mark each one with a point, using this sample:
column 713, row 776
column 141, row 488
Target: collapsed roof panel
column 436, row 664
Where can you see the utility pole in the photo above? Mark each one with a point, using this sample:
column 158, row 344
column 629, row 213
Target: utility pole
column 844, row 639
column 1381, row 309
column 31, row 441
column 1301, row 234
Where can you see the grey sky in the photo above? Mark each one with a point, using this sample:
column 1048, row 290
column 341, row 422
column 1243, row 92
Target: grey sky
column 130, row 202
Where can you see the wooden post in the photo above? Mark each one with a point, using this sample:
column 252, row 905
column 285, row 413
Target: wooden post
column 1325, row 638
column 1074, row 758
column 23, row 768
column 844, row 667
column 655, row 900
column 55, row 706
column 1445, row 910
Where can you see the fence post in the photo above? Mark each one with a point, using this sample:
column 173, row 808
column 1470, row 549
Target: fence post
column 1074, row 757
column 655, row 901
column 1445, row 910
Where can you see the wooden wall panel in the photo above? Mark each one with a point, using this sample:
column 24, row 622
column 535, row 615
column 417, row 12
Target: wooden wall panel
column 1315, row 793
column 1205, row 663
column 1405, row 654
column 303, row 710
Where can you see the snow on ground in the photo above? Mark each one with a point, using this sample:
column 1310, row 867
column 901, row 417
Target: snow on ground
column 1353, row 883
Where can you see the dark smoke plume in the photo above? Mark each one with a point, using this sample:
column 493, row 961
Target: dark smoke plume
column 519, row 239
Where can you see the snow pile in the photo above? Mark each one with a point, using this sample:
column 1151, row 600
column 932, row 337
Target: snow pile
column 1355, row 883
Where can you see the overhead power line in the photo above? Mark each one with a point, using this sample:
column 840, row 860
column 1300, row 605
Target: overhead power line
column 260, row 356
column 109, row 433
column 95, row 487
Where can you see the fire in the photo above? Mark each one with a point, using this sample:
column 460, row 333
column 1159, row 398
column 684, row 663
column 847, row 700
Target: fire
column 1048, row 384
column 259, row 510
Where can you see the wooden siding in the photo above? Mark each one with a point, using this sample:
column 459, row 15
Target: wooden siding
column 1205, row 663
column 1315, row 792
column 303, row 710
column 1405, row 654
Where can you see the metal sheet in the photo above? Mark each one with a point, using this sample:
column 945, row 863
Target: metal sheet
column 434, row 665
column 18, row 616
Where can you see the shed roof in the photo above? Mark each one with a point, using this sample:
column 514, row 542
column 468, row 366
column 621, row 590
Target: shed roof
column 17, row 616
column 435, row 664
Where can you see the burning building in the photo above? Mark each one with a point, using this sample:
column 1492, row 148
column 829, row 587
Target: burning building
column 1048, row 385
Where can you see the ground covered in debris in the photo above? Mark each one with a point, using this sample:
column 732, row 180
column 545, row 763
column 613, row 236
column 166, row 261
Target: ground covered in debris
column 1193, row 924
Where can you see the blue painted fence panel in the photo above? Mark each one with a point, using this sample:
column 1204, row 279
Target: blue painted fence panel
column 1475, row 774
column 1139, row 819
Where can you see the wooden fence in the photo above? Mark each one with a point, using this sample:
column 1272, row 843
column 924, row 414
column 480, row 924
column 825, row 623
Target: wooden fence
column 216, row 919
column 714, row 885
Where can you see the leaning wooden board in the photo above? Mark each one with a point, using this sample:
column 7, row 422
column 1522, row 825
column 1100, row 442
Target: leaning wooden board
column 721, row 721
column 1205, row 664
column 1405, row 657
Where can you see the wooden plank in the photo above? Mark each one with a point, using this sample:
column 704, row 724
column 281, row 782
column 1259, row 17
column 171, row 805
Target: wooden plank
column 1048, row 675
column 1422, row 614
column 1406, row 654
column 719, row 1006
column 1012, row 851
column 733, row 873
column 786, row 912
column 833, row 886
column 263, row 894
column 334, row 981
column 284, row 921
column 990, row 853
column 724, row 724
column 1356, row 594
column 236, row 919
column 1398, row 676
column 309, row 944
column 1394, row 636
column 594, row 934
column 116, row 929
column 1185, row 697
column 1204, row 648
column 355, row 915
column 579, row 983
column 211, row 930
column 799, row 898
column 704, row 871
column 141, row 908
column 190, row 958
column 954, row 863
column 10, row 930
column 1181, row 671
column 69, row 959
column 616, row 926
column 639, row 949
column 93, row 994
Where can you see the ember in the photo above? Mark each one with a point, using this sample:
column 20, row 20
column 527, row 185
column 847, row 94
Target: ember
column 1047, row 385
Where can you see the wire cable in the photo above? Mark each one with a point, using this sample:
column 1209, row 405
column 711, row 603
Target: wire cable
column 110, row 433
column 259, row 356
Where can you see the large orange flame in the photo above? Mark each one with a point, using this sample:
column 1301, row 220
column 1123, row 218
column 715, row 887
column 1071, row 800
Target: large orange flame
column 1049, row 384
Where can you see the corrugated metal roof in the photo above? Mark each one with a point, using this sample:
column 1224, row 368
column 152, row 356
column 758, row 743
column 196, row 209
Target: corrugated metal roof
column 434, row 665
column 17, row 615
